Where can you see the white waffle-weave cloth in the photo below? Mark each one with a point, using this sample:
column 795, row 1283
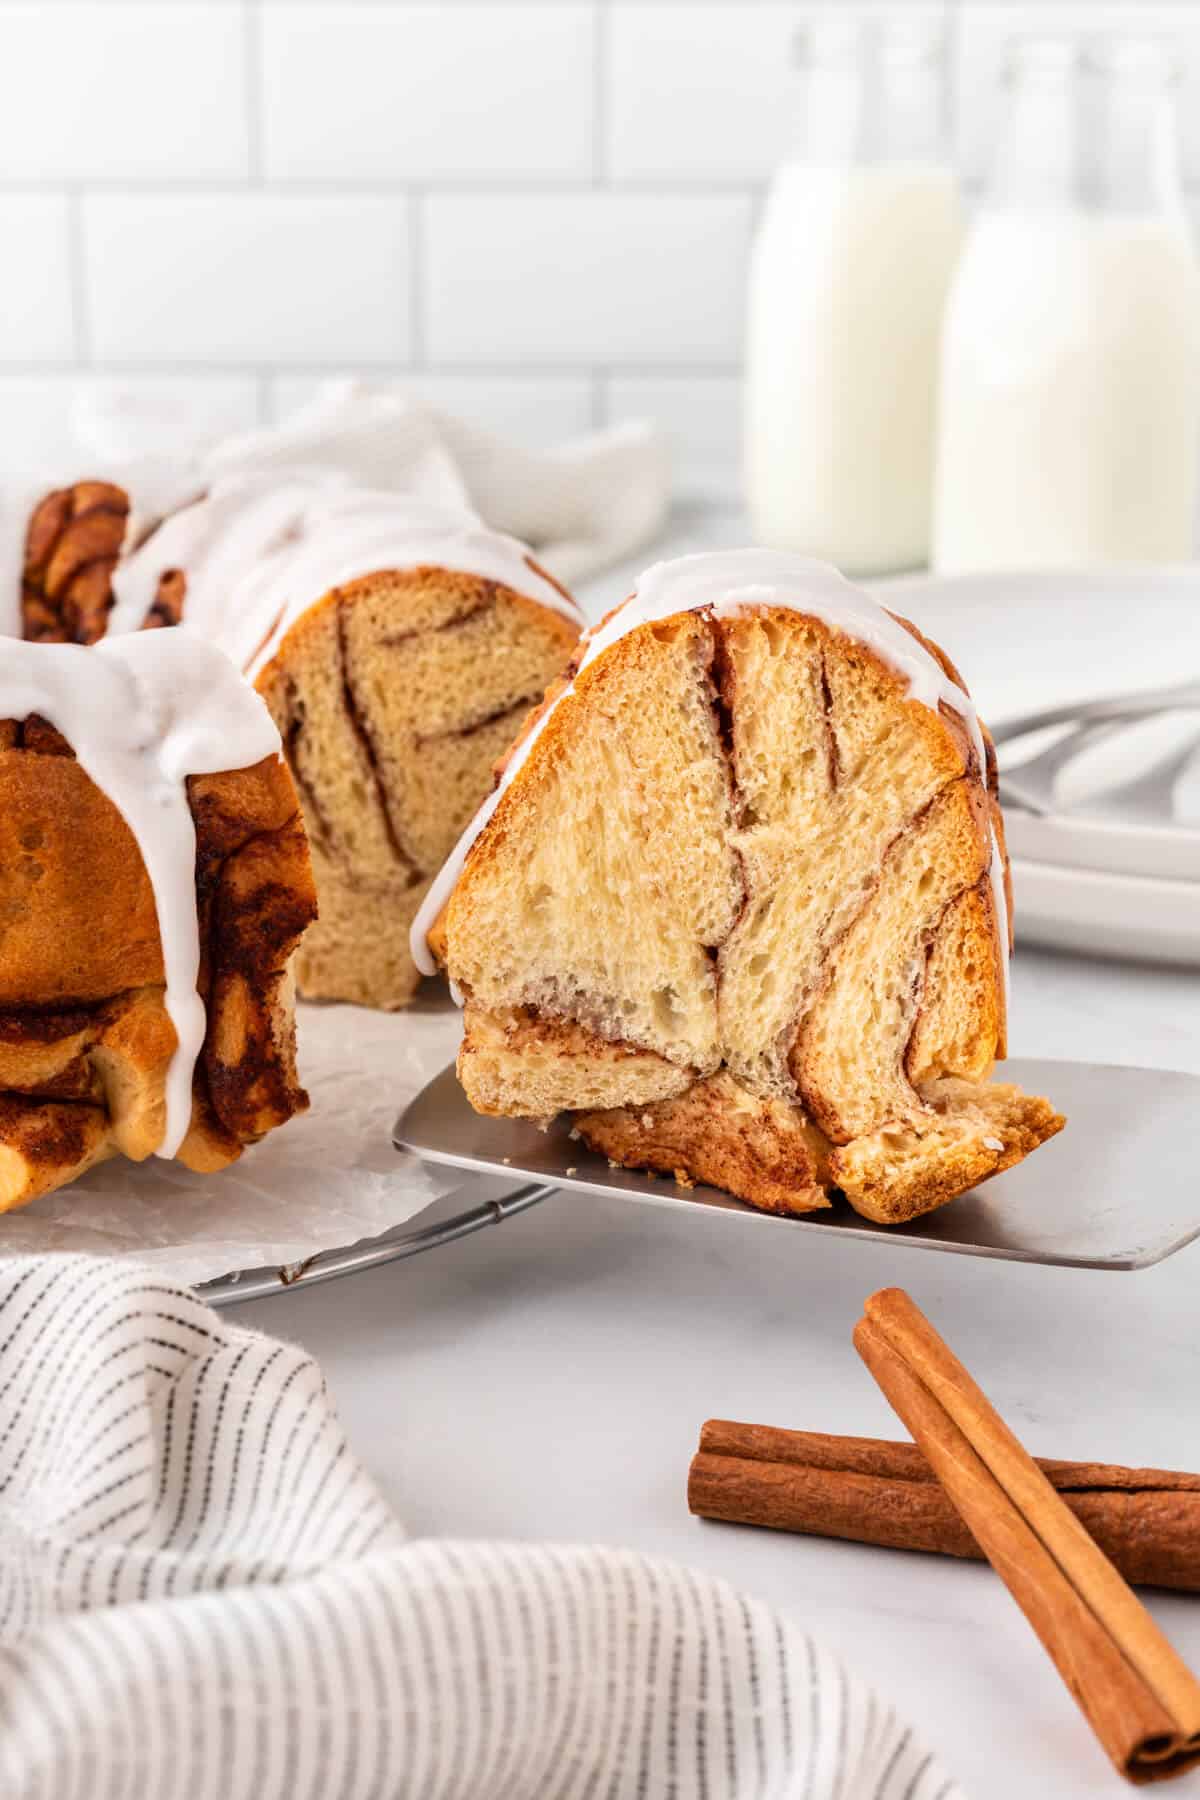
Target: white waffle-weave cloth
column 581, row 505
column 203, row 1596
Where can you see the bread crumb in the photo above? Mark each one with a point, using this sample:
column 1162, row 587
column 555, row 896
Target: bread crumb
column 573, row 1134
column 647, row 1122
column 572, row 1171
column 992, row 1144
column 506, row 1159
column 683, row 1179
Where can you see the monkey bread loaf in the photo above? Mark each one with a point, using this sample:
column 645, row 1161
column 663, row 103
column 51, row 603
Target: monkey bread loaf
column 739, row 904
column 396, row 642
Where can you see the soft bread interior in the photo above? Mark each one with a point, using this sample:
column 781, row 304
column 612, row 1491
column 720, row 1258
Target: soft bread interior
column 735, row 912
column 830, row 769
column 618, row 881
column 394, row 697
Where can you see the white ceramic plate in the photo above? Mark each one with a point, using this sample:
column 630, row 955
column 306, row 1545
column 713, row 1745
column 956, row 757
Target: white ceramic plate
column 1101, row 914
column 1042, row 638
column 1109, row 846
column 1105, row 880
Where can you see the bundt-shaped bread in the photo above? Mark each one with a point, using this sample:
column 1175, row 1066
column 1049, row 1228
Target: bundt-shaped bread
column 398, row 645
column 740, row 904
column 88, row 1038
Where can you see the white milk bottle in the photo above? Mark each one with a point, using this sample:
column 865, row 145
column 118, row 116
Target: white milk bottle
column 848, row 280
column 1070, row 389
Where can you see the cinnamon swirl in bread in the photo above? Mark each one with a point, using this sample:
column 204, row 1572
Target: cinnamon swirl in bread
column 397, row 644
column 739, row 903
column 154, row 884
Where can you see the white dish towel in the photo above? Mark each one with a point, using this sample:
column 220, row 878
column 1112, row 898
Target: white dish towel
column 204, row 1597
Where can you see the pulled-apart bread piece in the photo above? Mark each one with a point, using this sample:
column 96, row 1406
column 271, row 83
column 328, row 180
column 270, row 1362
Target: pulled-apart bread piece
column 154, row 884
column 397, row 643
column 739, row 903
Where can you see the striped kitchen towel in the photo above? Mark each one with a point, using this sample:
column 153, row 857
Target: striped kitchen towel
column 203, row 1596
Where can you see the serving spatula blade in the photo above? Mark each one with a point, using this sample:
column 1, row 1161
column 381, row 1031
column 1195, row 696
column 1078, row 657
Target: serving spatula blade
column 1119, row 1188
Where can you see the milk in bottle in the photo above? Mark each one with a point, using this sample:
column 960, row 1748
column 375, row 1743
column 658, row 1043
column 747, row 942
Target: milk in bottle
column 848, row 279
column 1070, row 389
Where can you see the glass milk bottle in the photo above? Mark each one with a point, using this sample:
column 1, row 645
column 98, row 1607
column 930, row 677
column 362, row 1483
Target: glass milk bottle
column 1069, row 403
column 848, row 280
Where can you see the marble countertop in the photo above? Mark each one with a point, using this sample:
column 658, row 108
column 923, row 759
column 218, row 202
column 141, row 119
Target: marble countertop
column 548, row 1380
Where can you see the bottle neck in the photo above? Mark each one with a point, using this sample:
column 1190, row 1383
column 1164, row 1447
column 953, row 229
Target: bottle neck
column 1137, row 163
column 884, row 104
column 1090, row 137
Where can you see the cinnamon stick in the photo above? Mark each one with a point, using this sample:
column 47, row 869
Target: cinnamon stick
column 1139, row 1696
column 870, row 1491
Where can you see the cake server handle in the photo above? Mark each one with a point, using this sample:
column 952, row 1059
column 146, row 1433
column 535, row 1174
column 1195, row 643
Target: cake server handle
column 328, row 1265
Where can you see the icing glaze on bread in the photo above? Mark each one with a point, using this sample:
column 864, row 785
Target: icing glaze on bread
column 258, row 550
column 142, row 714
column 397, row 641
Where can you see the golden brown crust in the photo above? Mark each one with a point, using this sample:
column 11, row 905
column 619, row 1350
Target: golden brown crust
column 73, row 543
column 760, row 1150
column 974, row 1130
column 44, row 1144
column 777, row 1160
column 71, row 549
column 83, row 1025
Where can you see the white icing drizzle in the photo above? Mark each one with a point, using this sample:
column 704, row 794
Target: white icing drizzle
column 727, row 582
column 142, row 713
column 259, row 550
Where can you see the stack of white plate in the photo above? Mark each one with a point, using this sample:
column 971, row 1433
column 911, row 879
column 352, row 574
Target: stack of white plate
column 1114, row 869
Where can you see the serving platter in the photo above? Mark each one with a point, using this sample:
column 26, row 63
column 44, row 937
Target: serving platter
column 1114, row 871
column 1097, row 913
column 1117, row 1190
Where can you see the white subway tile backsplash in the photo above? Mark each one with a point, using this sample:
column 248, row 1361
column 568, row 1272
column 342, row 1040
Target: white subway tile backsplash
column 127, row 415
column 532, row 410
column 534, row 212
column 359, row 90
column 249, row 277
column 558, row 278
column 985, row 28
column 36, row 424
column 48, row 421
column 119, row 91
column 37, row 321
column 700, row 415
column 701, row 92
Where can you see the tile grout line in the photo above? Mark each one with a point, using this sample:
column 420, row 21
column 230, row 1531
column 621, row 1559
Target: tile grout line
column 252, row 100
column 600, row 73
column 81, row 320
column 598, row 395
column 477, row 187
column 253, row 97
column 450, row 369
column 599, row 399
column 417, row 285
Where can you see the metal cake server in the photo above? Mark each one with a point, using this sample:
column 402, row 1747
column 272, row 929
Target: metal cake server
column 1117, row 1189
